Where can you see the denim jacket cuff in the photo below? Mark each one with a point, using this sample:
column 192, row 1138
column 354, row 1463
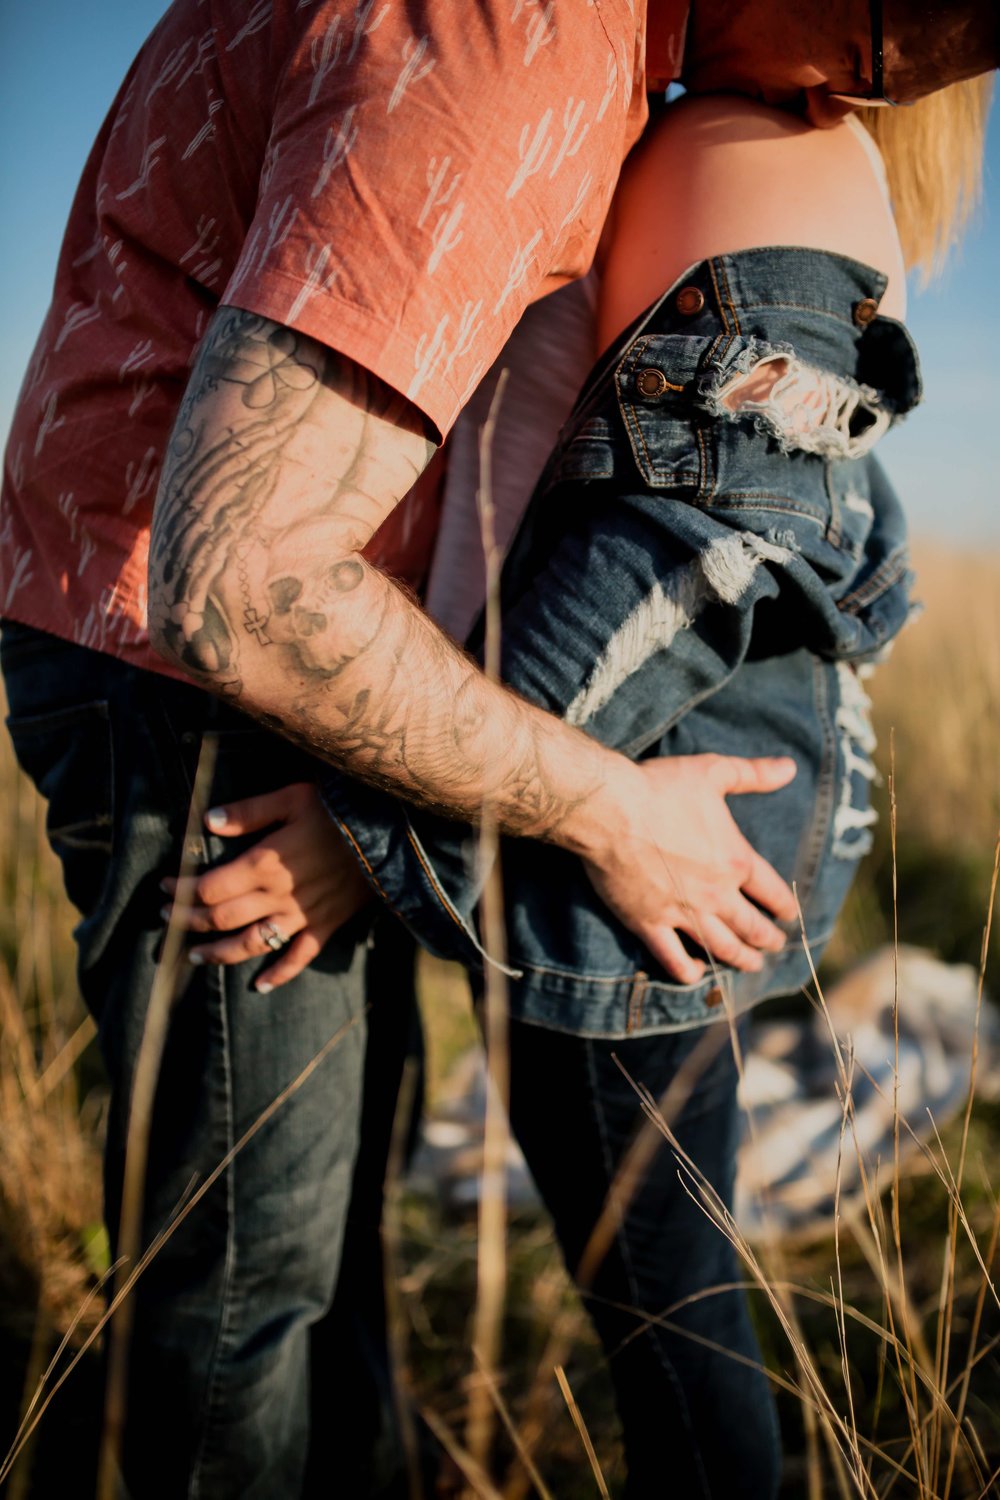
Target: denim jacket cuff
column 383, row 837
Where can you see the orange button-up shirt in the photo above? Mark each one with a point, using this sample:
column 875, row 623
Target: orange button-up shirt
column 395, row 180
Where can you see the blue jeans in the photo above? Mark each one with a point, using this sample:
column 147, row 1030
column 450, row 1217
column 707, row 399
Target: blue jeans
column 232, row 1310
column 698, row 1419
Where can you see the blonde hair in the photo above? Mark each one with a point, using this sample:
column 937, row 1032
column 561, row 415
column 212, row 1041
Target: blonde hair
column 933, row 152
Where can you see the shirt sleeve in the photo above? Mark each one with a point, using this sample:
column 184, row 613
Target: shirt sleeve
column 430, row 170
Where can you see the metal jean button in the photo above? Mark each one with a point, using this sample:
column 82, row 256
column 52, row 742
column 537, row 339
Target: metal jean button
column 689, row 300
column 651, row 382
column 865, row 311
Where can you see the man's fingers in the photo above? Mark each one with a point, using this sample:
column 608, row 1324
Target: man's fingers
column 668, row 950
column 254, row 813
column 296, row 957
column 735, row 776
column 764, row 885
column 722, row 943
column 756, row 930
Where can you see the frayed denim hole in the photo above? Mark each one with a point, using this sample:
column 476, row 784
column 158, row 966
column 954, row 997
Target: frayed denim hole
column 803, row 408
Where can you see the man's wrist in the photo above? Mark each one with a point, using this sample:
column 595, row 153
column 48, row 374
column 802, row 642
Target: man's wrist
column 605, row 815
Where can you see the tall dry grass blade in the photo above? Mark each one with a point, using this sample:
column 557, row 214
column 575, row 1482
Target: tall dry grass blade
column 43, row 1379
column 919, row 1456
column 627, row 1179
column 163, row 996
column 966, row 1376
column 395, row 1311
column 989, row 1489
column 878, row 1237
column 703, row 1193
column 846, row 1100
column 539, row 1400
column 814, row 1469
column 942, row 1170
column 63, row 1063
column 33, row 1373
column 170, row 1229
column 491, row 1287
column 49, row 1170
column 581, row 1428
column 814, row 1294
column 963, row 1218
column 510, row 1426
column 964, row 1146
column 980, row 1450
column 920, row 1366
column 897, row 1300
column 638, row 1158
column 473, row 1472
column 976, row 1459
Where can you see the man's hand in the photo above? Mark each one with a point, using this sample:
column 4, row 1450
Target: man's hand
column 679, row 864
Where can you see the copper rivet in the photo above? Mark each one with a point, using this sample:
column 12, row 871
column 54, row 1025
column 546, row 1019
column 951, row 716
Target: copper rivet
column 714, row 997
column 651, row 382
column 690, row 300
column 865, row 311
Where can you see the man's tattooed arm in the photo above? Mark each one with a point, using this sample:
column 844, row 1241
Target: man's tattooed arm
column 284, row 461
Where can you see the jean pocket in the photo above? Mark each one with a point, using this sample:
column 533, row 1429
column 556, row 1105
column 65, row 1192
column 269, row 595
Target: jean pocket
column 68, row 756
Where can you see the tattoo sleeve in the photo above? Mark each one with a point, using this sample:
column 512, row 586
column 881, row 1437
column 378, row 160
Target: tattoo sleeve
column 284, row 460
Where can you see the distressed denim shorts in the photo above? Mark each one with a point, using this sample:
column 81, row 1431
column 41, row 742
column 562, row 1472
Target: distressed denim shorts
column 711, row 561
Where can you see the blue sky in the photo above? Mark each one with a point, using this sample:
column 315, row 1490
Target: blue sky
column 62, row 60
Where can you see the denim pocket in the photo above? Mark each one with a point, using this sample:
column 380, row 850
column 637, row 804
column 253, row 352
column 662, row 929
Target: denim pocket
column 68, row 756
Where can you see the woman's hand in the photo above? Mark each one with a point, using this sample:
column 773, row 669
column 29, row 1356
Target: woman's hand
column 300, row 878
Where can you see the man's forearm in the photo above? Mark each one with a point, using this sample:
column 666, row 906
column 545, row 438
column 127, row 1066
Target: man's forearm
column 283, row 463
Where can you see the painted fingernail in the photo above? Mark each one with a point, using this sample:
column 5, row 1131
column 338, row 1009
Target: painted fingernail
column 262, row 987
column 216, row 817
column 166, row 886
column 164, row 913
column 196, row 958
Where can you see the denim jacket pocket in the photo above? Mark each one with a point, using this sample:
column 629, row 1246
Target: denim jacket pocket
column 655, row 383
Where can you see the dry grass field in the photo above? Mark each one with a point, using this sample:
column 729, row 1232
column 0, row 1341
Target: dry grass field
column 883, row 1347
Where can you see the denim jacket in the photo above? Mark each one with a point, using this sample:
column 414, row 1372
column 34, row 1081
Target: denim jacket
column 700, row 569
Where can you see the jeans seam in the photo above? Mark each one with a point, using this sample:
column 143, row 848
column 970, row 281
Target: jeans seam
column 834, row 532
column 888, row 573
column 720, row 263
column 706, row 484
column 212, row 1402
column 349, row 836
column 780, row 503
column 621, row 1238
column 432, row 882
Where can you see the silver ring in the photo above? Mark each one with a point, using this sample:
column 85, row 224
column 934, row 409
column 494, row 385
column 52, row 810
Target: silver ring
column 273, row 936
